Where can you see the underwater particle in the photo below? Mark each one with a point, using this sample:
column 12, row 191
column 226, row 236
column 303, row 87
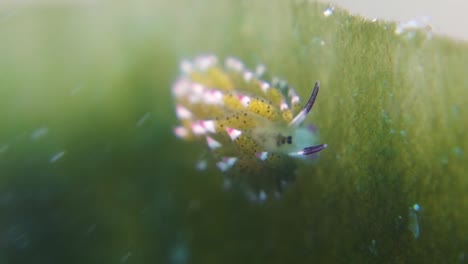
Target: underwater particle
column 262, row 196
column 458, row 151
column 461, row 257
column 16, row 236
column 226, row 163
column 455, row 111
column 260, row 70
column 410, row 27
column 252, row 127
column 317, row 40
column 39, row 133
column 385, row 116
column 194, row 205
column 180, row 253
column 398, row 222
column 57, row 156
column 227, row 184
column 74, row 91
column 125, row 257
column 90, row 229
column 403, row 134
column 373, row 247
column 4, row 148
column 413, row 220
column 6, row 15
column 143, row 119
column 329, row 11
column 444, row 160
column 202, row 165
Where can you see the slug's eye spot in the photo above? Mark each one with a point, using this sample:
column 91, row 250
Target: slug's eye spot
column 281, row 140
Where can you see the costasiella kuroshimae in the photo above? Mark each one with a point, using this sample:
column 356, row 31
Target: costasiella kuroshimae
column 253, row 128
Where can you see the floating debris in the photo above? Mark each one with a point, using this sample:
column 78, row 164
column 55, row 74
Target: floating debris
column 413, row 220
column 202, row 165
column 329, row 11
column 318, row 40
column 458, row 151
column 17, row 236
column 455, row 111
column 90, row 229
column 262, row 196
column 398, row 222
column 180, row 253
column 57, row 156
column 76, row 89
column 3, row 148
column 143, row 119
column 461, row 257
column 373, row 247
column 125, row 257
column 410, row 27
column 444, row 160
column 7, row 15
column 227, row 184
column 39, row 133
column 385, row 115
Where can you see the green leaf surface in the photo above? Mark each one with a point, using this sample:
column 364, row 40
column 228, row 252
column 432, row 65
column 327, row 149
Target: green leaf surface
column 92, row 82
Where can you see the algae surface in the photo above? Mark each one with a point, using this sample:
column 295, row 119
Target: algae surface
column 91, row 173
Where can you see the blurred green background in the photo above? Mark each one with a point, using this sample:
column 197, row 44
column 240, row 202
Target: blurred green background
column 91, row 173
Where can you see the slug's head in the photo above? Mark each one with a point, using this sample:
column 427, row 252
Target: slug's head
column 252, row 127
column 294, row 139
